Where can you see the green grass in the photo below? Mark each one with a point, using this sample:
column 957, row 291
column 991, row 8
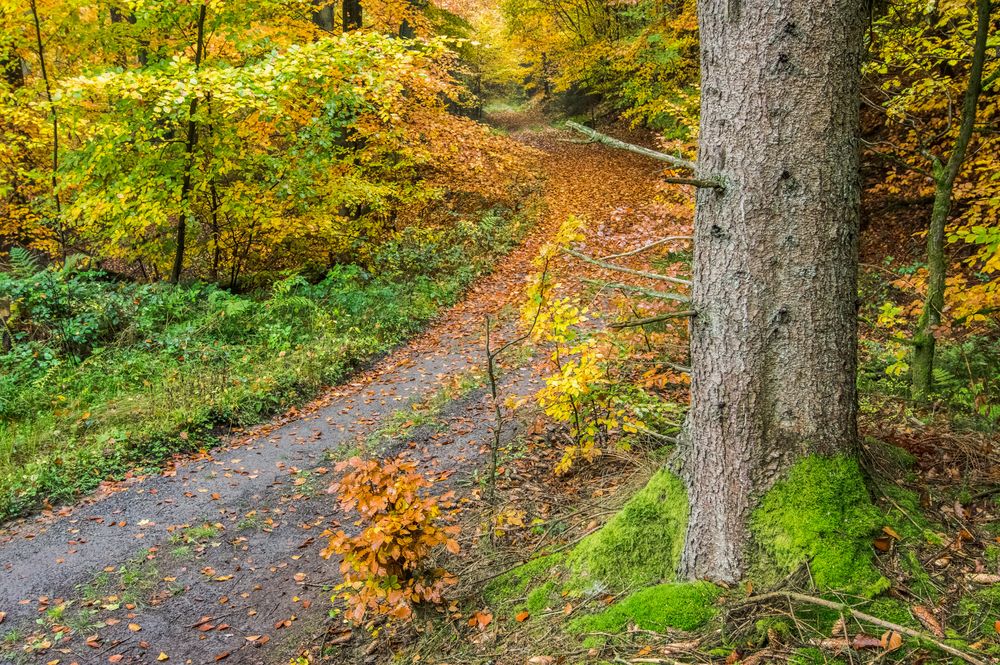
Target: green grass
column 106, row 377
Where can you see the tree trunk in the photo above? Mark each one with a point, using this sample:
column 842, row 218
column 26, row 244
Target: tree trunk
column 773, row 342
column 11, row 69
column 352, row 17
column 189, row 146
column 323, row 17
column 924, row 342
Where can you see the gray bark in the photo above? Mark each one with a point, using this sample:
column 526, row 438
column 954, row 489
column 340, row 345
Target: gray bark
column 773, row 344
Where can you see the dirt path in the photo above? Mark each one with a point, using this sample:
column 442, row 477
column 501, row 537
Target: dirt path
column 226, row 546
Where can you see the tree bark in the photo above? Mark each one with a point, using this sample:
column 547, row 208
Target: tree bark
column 924, row 342
column 773, row 342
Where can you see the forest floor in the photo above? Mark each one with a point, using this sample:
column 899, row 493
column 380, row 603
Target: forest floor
column 218, row 558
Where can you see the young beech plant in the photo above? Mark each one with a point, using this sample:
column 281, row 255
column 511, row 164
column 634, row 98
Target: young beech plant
column 384, row 565
column 582, row 391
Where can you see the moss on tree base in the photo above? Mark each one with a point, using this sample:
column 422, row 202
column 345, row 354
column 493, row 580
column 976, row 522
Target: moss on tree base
column 819, row 513
column 640, row 545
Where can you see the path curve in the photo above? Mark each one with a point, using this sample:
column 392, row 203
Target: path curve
column 259, row 573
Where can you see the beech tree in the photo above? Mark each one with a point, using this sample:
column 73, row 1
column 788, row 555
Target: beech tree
column 773, row 339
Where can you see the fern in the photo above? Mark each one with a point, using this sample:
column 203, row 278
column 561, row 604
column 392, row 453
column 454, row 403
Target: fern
column 23, row 263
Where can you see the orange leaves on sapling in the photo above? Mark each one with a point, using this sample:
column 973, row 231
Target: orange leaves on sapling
column 385, row 565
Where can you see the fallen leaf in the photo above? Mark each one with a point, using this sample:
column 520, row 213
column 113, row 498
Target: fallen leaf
column 134, row 627
column 522, row 616
column 481, row 619
column 891, row 640
column 163, row 656
column 117, row 658
column 889, row 531
column 927, row 618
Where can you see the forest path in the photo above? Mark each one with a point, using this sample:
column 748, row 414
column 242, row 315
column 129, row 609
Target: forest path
column 225, row 546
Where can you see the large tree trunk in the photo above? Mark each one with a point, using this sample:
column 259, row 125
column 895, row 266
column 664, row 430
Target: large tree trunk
column 773, row 342
column 944, row 183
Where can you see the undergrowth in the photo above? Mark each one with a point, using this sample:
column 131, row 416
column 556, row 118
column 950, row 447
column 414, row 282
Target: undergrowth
column 105, row 376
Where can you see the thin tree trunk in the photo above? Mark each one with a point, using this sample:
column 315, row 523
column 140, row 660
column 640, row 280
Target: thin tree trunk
column 192, row 141
column 924, row 342
column 773, row 342
column 54, row 172
column 351, row 15
column 11, row 68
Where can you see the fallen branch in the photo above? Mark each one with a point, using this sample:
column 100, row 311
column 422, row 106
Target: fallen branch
column 861, row 616
column 652, row 293
column 637, row 149
column 646, row 247
column 654, row 319
column 628, row 271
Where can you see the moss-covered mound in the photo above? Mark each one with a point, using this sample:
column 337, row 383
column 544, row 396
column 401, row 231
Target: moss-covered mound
column 684, row 606
column 514, row 585
column 640, row 545
column 821, row 513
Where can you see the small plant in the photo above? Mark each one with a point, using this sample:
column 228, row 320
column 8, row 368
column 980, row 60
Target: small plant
column 385, row 565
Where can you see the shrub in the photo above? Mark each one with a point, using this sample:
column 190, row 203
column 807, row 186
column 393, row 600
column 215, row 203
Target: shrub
column 384, row 565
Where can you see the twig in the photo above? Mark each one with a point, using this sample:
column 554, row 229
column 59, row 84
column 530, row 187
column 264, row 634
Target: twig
column 654, row 319
column 639, row 150
column 629, row 271
column 841, row 607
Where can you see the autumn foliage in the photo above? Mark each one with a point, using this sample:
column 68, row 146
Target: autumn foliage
column 385, row 564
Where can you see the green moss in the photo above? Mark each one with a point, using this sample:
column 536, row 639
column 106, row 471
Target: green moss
column 683, row 606
column 820, row 513
column 538, row 599
column 813, row 656
column 976, row 613
column 920, row 580
column 513, row 585
column 992, row 556
column 904, row 514
column 641, row 544
column 892, row 610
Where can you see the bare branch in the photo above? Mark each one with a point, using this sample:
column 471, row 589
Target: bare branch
column 640, row 250
column 639, row 150
column 695, row 182
column 659, row 318
column 629, row 271
column 652, row 293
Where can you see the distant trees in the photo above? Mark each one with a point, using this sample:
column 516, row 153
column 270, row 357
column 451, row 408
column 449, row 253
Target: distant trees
column 239, row 151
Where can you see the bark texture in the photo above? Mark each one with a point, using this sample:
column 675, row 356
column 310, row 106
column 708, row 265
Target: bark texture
column 773, row 344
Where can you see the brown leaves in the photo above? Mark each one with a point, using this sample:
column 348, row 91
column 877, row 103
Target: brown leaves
column 402, row 524
column 891, row 640
column 927, row 618
column 481, row 620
